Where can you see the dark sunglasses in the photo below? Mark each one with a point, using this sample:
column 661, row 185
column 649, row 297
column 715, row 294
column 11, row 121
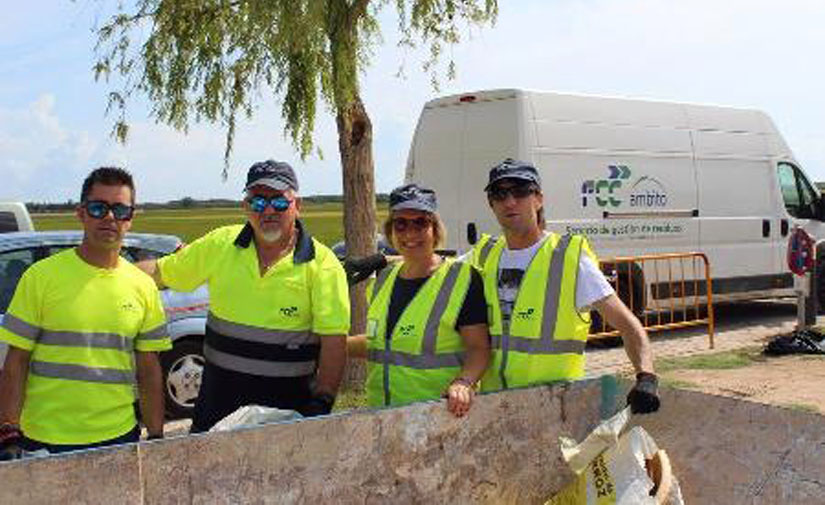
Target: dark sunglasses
column 500, row 193
column 419, row 223
column 99, row 209
column 260, row 203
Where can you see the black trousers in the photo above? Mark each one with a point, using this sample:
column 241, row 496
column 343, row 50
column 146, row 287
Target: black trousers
column 130, row 436
column 225, row 391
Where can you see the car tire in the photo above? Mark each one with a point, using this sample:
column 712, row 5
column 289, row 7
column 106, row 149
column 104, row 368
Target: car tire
column 182, row 371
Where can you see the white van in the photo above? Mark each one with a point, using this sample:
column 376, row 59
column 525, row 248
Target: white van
column 635, row 176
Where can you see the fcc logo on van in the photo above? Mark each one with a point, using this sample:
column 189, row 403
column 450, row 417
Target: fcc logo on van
column 604, row 191
column 645, row 193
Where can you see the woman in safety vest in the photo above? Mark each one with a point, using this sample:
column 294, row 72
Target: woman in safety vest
column 427, row 321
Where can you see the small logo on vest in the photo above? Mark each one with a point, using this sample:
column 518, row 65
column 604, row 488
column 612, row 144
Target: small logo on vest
column 289, row 311
column 128, row 306
column 524, row 315
column 406, row 330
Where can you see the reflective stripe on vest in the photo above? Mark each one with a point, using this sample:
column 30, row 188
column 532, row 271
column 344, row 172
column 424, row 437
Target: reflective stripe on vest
column 262, row 335
column 380, row 279
column 86, row 339
column 428, row 359
column 21, row 328
column 260, row 351
column 416, row 361
column 256, row 366
column 485, row 251
column 158, row 333
column 82, row 373
column 68, row 371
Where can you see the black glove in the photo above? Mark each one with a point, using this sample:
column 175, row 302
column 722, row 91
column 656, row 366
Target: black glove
column 319, row 405
column 644, row 397
column 360, row 269
column 11, row 439
column 156, row 436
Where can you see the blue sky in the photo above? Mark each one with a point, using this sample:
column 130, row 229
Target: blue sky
column 749, row 53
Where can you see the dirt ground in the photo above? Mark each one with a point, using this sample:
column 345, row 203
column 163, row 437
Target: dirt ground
column 796, row 381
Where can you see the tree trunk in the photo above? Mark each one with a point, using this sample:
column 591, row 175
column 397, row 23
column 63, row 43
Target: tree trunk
column 355, row 146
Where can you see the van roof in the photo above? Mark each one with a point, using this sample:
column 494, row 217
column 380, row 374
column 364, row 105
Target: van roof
column 487, row 95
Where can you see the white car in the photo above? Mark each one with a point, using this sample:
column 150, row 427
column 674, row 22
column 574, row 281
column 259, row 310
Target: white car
column 185, row 312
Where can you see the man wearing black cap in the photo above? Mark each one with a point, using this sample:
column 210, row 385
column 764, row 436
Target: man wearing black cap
column 279, row 305
column 541, row 287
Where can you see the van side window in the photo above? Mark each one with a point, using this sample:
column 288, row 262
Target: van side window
column 799, row 196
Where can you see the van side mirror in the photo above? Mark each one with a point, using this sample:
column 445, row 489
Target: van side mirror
column 820, row 208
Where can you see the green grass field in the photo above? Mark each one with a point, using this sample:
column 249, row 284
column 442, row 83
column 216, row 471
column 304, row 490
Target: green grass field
column 324, row 221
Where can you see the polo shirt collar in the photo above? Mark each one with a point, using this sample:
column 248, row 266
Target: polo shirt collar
column 304, row 247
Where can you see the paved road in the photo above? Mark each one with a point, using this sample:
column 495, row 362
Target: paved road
column 737, row 326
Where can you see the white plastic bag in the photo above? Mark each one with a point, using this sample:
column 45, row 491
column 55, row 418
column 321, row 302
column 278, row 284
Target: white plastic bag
column 611, row 467
column 253, row 415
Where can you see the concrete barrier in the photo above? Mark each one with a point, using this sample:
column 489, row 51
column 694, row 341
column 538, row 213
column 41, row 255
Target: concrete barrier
column 506, row 451
column 724, row 450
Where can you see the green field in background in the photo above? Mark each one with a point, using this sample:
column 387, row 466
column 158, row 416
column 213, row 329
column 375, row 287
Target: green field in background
column 324, row 221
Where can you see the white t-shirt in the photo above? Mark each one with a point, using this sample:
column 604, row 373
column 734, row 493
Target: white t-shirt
column 591, row 285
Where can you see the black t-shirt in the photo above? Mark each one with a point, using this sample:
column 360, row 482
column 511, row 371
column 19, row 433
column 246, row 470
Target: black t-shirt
column 474, row 310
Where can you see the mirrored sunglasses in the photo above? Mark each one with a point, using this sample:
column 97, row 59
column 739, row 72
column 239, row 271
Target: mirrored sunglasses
column 500, row 193
column 99, row 209
column 419, row 223
column 260, row 203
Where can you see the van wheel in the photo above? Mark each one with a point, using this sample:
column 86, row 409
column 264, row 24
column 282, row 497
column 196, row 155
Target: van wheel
column 182, row 371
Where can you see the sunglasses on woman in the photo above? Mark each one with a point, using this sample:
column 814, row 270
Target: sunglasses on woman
column 500, row 193
column 400, row 224
column 259, row 203
column 99, row 209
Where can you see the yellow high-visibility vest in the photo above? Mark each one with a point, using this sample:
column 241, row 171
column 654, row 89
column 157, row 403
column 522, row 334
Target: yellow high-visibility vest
column 267, row 325
column 546, row 335
column 83, row 325
column 425, row 351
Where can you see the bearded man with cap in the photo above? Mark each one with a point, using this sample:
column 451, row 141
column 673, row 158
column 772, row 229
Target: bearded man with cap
column 279, row 305
column 540, row 287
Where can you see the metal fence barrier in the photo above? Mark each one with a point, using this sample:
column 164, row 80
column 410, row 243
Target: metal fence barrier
column 665, row 291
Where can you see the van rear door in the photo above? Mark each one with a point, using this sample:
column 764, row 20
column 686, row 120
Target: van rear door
column 458, row 139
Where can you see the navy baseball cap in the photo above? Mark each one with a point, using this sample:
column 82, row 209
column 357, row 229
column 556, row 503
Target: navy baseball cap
column 274, row 174
column 513, row 169
column 413, row 196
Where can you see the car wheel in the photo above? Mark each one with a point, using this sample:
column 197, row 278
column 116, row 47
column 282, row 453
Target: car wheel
column 182, row 371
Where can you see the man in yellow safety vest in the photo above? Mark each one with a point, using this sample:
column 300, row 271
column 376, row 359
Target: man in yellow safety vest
column 84, row 327
column 540, row 288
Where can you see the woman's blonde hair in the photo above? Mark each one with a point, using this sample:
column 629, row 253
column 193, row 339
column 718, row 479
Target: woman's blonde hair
column 439, row 230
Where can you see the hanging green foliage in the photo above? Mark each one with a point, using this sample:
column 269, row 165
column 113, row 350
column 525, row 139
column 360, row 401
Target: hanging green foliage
column 210, row 60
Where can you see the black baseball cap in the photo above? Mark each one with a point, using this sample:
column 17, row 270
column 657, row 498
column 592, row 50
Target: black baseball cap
column 274, row 174
column 513, row 169
column 413, row 196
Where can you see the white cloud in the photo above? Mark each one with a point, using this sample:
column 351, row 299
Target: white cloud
column 40, row 155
